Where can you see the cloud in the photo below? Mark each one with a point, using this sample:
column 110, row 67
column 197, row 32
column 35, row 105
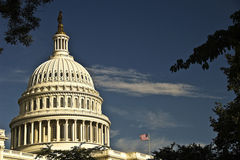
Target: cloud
column 138, row 84
column 114, row 133
column 147, row 119
column 14, row 75
column 133, row 145
column 118, row 111
column 154, row 120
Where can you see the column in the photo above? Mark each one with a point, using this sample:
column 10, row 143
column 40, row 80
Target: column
column 11, row 139
column 102, row 134
column 108, row 136
column 91, row 132
column 19, row 135
column 67, row 45
column 83, row 131
column 97, row 132
column 32, row 107
column 58, row 130
column 40, row 131
column 80, row 137
column 57, row 44
column 75, row 130
column 32, row 132
column 38, row 101
column 15, row 137
column 66, row 130
column 25, row 134
column 49, row 131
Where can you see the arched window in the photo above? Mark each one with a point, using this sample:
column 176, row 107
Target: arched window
column 55, row 102
column 62, row 102
column 88, row 104
column 76, row 103
column 29, row 106
column 92, row 106
column 41, row 103
column 82, row 103
column 69, row 102
column 47, row 102
column 34, row 104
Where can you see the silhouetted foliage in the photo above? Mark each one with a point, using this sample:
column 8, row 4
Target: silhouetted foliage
column 227, row 126
column 185, row 152
column 21, row 19
column 227, row 123
column 76, row 153
column 217, row 44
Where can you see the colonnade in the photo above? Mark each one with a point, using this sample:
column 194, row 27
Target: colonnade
column 60, row 101
column 58, row 130
column 61, row 43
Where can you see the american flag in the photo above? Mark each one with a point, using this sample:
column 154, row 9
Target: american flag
column 144, row 137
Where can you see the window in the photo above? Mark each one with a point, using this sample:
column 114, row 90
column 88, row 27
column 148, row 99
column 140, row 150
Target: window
column 92, row 106
column 47, row 102
column 29, row 106
column 34, row 104
column 55, row 102
column 62, row 102
column 69, row 102
column 41, row 103
column 59, row 43
column 76, row 103
column 82, row 103
column 87, row 104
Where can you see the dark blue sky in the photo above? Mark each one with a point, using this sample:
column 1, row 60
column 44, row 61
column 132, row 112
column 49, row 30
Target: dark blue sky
column 128, row 46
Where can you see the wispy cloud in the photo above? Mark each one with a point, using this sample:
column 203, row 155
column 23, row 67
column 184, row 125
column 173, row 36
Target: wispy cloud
column 133, row 145
column 114, row 133
column 147, row 119
column 15, row 76
column 138, row 84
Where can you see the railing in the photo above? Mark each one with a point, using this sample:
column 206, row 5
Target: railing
column 19, row 154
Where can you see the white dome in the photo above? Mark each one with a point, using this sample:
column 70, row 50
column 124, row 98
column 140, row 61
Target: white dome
column 61, row 68
column 60, row 105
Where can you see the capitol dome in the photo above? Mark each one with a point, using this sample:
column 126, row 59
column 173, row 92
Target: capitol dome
column 60, row 105
column 61, row 69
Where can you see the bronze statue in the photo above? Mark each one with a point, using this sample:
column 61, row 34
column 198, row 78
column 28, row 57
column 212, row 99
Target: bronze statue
column 59, row 17
column 60, row 25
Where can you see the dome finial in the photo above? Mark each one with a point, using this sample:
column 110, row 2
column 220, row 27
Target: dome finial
column 60, row 25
